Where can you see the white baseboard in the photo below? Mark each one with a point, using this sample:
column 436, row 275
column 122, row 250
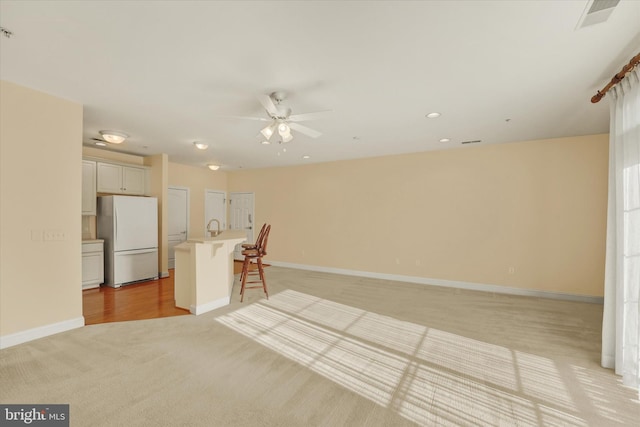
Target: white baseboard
column 445, row 283
column 209, row 306
column 40, row 332
column 608, row 361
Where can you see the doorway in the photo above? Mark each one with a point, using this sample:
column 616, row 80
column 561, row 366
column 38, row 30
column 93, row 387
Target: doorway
column 241, row 208
column 178, row 220
column 215, row 208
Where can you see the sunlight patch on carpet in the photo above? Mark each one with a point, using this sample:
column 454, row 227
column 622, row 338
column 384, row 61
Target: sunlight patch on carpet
column 426, row 375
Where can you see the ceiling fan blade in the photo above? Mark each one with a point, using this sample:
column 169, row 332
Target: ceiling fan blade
column 308, row 116
column 268, row 104
column 305, row 130
column 262, row 119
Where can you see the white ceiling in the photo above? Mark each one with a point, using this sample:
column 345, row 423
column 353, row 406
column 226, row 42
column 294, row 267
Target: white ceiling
column 167, row 73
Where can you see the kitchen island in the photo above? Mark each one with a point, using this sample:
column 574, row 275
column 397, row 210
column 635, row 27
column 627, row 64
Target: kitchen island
column 204, row 271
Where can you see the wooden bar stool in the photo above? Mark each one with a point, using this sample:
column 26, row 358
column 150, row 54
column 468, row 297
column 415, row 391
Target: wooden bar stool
column 257, row 254
column 247, row 246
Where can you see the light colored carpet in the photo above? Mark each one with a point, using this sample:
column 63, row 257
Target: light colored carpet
column 330, row 350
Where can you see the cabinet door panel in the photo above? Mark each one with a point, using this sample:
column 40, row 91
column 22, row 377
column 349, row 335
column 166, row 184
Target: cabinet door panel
column 92, row 269
column 109, row 178
column 88, row 187
column 133, row 180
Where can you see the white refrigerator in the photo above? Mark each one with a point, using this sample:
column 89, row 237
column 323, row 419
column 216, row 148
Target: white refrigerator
column 129, row 227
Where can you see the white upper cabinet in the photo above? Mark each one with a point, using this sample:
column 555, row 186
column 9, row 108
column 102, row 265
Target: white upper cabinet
column 120, row 179
column 88, row 187
column 133, row 180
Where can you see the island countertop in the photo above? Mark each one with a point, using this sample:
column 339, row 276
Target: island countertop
column 224, row 235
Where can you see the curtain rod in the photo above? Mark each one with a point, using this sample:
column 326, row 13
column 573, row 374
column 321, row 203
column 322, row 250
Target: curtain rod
column 616, row 79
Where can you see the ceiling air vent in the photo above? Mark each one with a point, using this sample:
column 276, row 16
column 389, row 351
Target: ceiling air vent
column 475, row 141
column 596, row 12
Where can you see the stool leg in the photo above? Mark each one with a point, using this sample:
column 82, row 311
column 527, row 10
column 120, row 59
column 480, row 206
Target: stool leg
column 245, row 269
column 261, row 271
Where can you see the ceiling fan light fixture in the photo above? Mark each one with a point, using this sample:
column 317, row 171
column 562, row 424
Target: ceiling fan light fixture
column 268, row 131
column 114, row 137
column 286, row 137
column 283, row 129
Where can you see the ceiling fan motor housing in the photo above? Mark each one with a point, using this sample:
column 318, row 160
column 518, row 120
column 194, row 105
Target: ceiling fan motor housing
column 283, row 112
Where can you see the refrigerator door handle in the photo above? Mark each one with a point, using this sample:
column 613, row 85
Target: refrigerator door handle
column 115, row 217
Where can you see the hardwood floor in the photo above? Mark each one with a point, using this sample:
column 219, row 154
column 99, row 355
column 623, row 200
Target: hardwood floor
column 146, row 300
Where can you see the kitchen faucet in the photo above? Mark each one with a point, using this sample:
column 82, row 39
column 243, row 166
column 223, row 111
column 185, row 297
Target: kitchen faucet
column 211, row 233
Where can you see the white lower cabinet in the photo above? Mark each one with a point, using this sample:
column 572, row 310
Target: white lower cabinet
column 92, row 264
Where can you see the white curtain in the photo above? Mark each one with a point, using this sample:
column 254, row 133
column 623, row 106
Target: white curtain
column 620, row 327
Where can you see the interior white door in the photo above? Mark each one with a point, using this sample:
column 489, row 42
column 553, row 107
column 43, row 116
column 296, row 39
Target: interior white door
column 215, row 208
column 241, row 209
column 178, row 220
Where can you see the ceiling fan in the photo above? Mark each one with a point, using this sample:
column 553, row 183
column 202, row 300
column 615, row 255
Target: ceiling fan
column 281, row 120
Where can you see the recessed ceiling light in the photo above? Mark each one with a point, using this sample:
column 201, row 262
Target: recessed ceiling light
column 433, row 115
column 213, row 167
column 101, row 144
column 306, row 157
column 201, row 145
column 265, row 142
column 445, row 140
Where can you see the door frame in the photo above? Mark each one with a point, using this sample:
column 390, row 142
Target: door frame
column 188, row 190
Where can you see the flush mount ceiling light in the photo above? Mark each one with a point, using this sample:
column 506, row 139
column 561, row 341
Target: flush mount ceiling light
column 113, row 136
column 433, row 115
column 213, row 167
column 445, row 140
column 201, row 145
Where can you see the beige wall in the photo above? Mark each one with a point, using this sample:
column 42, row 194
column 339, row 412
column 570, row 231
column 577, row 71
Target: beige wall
column 40, row 191
column 197, row 180
column 467, row 214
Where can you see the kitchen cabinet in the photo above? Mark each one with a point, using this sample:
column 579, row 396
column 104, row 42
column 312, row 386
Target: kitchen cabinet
column 120, row 179
column 88, row 187
column 92, row 263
